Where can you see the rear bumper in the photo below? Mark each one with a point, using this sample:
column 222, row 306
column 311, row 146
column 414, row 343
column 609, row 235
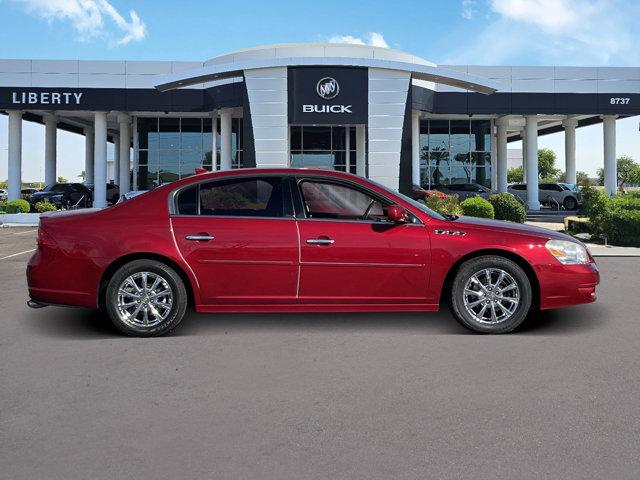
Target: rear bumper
column 56, row 278
column 564, row 285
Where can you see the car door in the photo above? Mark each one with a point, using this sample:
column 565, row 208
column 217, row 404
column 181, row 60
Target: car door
column 239, row 237
column 351, row 254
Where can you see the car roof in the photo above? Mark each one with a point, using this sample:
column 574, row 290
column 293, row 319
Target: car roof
column 262, row 171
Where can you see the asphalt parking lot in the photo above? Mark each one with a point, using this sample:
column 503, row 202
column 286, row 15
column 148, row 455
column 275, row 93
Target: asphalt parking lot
column 330, row 396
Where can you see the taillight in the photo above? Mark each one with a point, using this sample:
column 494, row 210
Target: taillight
column 44, row 239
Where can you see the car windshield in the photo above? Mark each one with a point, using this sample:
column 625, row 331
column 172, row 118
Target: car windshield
column 569, row 186
column 419, row 205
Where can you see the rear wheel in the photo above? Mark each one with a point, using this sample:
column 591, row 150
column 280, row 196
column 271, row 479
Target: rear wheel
column 146, row 298
column 570, row 203
column 490, row 294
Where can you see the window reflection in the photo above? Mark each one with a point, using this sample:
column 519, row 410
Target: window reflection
column 455, row 151
column 171, row 148
column 322, row 147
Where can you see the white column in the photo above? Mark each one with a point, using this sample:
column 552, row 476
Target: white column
column 610, row 167
column 136, row 153
column 100, row 160
column 214, row 141
column 501, row 152
column 116, row 159
column 570, row 125
column 125, row 153
column 347, row 147
column 415, row 147
column 533, row 202
column 523, row 135
column 89, row 146
column 50, row 146
column 14, row 154
column 361, row 151
column 225, row 139
column 494, row 155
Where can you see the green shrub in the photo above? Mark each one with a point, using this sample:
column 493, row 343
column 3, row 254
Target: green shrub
column 507, row 207
column 45, row 206
column 595, row 205
column 446, row 206
column 477, row 207
column 622, row 227
column 18, row 206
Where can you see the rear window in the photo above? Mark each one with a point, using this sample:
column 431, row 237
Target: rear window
column 244, row 197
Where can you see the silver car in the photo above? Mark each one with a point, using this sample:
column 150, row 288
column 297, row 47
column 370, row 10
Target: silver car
column 566, row 195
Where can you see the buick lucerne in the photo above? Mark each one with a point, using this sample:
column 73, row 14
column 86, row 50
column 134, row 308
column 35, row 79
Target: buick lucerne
column 267, row 240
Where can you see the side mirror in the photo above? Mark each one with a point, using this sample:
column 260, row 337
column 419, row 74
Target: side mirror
column 396, row 213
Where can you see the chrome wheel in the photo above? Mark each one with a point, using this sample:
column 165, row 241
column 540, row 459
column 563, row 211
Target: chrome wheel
column 144, row 300
column 491, row 296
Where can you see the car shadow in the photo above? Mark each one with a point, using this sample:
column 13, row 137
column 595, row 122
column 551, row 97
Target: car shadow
column 67, row 322
column 79, row 323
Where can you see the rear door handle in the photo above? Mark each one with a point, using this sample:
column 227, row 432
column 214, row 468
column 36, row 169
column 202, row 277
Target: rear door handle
column 320, row 241
column 199, row 238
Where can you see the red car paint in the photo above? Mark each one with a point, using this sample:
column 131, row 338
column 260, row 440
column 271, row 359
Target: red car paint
column 264, row 264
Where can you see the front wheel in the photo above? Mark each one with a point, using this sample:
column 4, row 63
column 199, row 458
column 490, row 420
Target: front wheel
column 570, row 203
column 146, row 298
column 490, row 294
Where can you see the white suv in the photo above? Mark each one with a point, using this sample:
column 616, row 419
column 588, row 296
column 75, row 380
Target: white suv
column 565, row 195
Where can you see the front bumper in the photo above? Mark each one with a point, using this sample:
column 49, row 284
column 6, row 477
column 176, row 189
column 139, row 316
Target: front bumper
column 564, row 285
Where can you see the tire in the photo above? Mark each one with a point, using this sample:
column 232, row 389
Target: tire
column 514, row 310
column 570, row 203
column 170, row 307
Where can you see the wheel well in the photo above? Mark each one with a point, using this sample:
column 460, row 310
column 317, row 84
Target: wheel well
column 116, row 264
column 528, row 269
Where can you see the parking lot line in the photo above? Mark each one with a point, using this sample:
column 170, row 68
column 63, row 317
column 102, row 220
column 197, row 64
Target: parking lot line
column 16, row 254
column 28, row 231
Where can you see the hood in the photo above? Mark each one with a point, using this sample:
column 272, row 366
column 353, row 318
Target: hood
column 512, row 227
column 45, row 194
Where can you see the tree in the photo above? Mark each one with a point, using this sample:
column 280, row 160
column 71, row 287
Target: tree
column 515, row 175
column 82, row 175
column 628, row 171
column 547, row 164
column 582, row 178
column 62, row 180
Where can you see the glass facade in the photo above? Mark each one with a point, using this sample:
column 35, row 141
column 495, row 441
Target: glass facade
column 455, row 151
column 323, row 147
column 171, row 148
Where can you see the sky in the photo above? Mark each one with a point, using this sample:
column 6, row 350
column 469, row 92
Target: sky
column 478, row 32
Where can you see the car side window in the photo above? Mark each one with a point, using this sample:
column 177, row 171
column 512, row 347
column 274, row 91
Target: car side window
column 245, row 197
column 326, row 200
column 187, row 201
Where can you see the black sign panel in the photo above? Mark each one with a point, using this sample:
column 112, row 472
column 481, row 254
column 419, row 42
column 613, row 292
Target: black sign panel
column 328, row 95
column 125, row 99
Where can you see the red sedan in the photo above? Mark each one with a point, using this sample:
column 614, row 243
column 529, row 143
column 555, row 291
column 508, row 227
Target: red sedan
column 258, row 240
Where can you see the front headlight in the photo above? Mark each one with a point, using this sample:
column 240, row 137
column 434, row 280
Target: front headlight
column 568, row 253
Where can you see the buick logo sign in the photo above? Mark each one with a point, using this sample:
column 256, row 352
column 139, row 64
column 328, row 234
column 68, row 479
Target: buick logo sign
column 327, row 88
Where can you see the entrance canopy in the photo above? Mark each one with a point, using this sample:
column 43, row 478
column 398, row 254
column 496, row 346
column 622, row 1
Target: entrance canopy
column 234, row 64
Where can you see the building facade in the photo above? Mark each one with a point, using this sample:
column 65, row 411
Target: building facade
column 380, row 113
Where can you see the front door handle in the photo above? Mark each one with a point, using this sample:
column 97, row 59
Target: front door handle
column 320, row 241
column 201, row 237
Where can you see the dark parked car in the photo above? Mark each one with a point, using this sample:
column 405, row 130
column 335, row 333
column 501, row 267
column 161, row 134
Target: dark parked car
column 113, row 192
column 26, row 193
column 64, row 195
column 465, row 190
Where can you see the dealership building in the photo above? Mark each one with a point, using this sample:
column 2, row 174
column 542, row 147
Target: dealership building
column 385, row 114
